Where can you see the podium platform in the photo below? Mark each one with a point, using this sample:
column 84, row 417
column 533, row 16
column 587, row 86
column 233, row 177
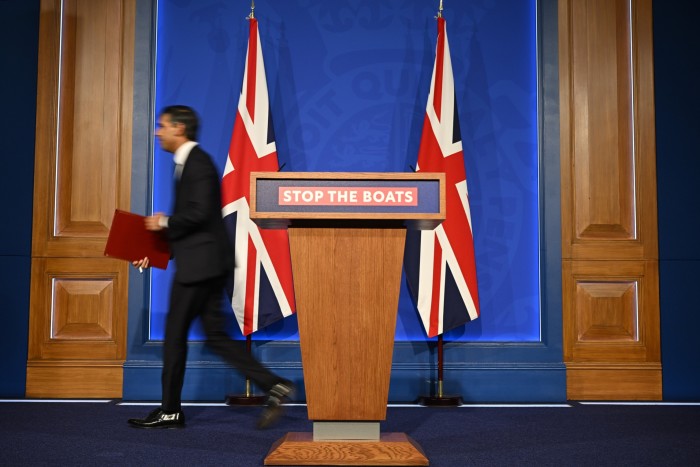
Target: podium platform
column 347, row 233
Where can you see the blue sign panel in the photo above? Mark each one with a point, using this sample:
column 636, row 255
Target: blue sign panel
column 358, row 196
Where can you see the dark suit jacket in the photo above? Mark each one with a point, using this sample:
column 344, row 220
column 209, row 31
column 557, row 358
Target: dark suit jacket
column 196, row 230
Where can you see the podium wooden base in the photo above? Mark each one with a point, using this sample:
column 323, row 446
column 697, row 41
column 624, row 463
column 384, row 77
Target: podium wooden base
column 300, row 449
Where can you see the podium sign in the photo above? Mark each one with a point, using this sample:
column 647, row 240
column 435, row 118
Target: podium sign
column 347, row 233
column 278, row 199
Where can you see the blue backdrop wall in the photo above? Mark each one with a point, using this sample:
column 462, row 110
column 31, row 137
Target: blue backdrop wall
column 348, row 83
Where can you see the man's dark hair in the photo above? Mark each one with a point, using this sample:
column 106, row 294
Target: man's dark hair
column 185, row 115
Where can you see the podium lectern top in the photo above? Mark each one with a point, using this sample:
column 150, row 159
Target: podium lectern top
column 414, row 200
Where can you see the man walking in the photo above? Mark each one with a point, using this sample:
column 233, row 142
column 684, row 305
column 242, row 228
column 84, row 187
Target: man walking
column 203, row 257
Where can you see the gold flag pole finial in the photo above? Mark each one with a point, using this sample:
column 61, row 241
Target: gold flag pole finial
column 252, row 9
column 440, row 10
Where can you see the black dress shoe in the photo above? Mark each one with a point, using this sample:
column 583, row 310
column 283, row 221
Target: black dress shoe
column 273, row 406
column 160, row 419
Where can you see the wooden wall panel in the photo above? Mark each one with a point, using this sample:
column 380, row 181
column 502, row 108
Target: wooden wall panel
column 609, row 223
column 83, row 147
column 615, row 314
column 88, row 145
column 603, row 204
column 78, row 304
column 75, row 302
column 77, row 330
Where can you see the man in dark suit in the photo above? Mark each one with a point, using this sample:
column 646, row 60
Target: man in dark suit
column 204, row 258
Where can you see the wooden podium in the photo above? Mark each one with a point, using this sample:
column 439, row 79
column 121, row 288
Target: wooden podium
column 347, row 233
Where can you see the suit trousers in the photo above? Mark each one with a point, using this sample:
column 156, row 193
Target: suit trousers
column 203, row 299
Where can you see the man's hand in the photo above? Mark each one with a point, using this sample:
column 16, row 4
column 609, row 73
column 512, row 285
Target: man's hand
column 154, row 222
column 141, row 264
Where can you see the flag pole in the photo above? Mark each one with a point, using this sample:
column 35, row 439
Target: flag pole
column 230, row 193
column 440, row 399
column 248, row 398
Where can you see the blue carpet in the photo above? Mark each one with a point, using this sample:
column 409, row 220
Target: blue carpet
column 79, row 433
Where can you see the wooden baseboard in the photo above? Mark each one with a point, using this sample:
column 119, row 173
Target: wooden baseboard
column 301, row 449
column 64, row 379
column 599, row 381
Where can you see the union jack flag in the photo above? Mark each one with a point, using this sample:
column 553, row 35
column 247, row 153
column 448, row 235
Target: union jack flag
column 440, row 264
column 261, row 289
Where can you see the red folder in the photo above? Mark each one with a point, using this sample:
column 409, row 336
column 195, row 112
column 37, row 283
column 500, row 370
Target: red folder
column 128, row 239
